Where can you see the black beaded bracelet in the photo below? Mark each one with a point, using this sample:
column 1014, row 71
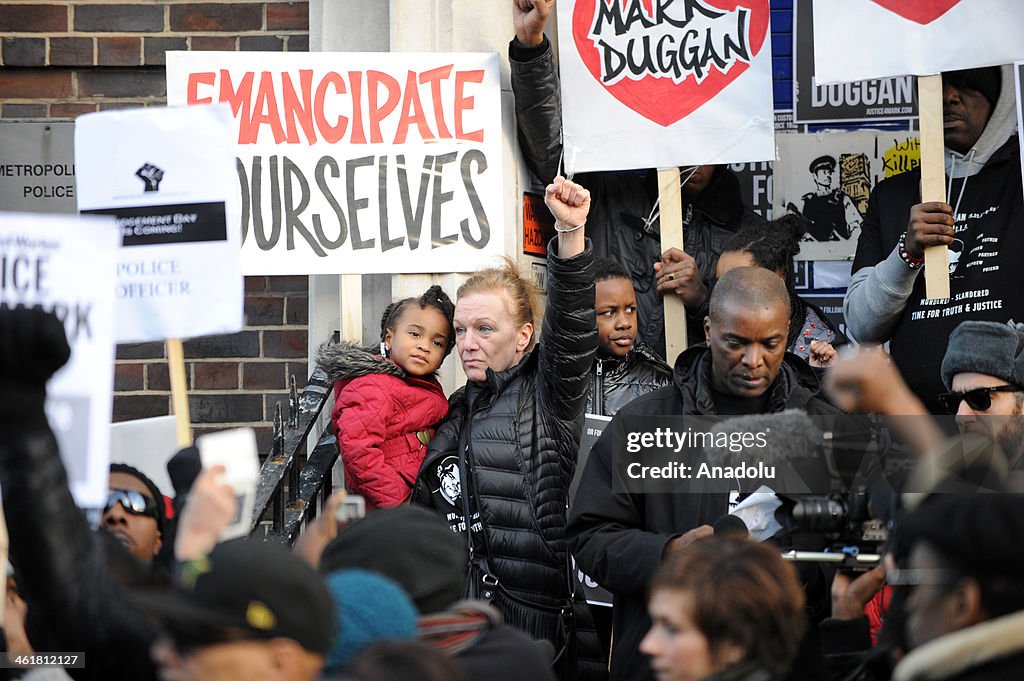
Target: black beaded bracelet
column 912, row 262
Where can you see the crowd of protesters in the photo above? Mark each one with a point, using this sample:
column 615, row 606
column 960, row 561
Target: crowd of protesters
column 465, row 564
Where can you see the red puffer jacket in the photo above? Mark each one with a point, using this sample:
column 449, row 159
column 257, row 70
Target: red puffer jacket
column 383, row 419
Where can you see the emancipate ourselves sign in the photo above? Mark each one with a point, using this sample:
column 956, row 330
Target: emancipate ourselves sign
column 358, row 162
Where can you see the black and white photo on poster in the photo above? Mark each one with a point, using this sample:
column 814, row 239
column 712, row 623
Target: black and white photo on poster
column 827, row 178
column 884, row 99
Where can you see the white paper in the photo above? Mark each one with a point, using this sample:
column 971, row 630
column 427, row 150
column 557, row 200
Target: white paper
column 757, row 512
column 147, row 444
column 236, row 451
column 347, row 166
column 168, row 175
column 861, row 39
column 66, row 264
column 663, row 117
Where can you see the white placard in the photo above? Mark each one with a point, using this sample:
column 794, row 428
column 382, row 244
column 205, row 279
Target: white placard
column 353, row 163
column 168, row 176
column 1018, row 77
column 66, row 264
column 236, row 451
column 146, row 444
column 860, row 39
column 665, row 83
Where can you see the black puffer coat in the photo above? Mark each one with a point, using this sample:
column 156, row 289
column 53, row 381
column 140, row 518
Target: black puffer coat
column 614, row 383
column 622, row 201
column 519, row 445
column 619, row 538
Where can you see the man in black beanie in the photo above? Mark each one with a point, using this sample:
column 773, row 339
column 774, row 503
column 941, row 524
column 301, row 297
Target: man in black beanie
column 981, row 216
column 983, row 370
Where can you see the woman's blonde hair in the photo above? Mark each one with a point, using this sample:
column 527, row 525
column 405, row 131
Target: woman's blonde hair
column 522, row 294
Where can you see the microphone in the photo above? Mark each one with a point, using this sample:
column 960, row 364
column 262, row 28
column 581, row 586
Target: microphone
column 784, row 451
column 788, row 436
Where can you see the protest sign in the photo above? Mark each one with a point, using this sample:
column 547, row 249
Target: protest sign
column 146, row 444
column 593, row 426
column 235, row 450
column 827, row 179
column 755, row 186
column 1018, row 77
column 66, row 265
column 668, row 83
column 863, row 101
column 357, row 163
column 859, row 39
column 166, row 175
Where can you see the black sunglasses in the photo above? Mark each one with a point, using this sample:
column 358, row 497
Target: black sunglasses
column 132, row 501
column 979, row 399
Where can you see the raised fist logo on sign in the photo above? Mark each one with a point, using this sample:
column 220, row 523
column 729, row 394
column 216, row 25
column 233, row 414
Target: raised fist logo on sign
column 151, row 175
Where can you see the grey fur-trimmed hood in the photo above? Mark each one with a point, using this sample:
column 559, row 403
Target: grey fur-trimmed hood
column 347, row 360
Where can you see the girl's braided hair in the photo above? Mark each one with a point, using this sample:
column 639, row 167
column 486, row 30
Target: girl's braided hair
column 434, row 297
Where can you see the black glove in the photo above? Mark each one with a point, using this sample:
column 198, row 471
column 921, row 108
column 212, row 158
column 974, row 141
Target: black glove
column 33, row 347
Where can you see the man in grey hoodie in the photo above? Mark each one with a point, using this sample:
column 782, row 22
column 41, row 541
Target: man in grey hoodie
column 985, row 224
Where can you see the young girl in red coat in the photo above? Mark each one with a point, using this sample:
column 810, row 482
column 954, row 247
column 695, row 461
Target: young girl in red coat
column 387, row 405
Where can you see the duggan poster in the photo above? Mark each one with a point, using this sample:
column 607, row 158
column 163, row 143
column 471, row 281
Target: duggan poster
column 881, row 99
column 358, row 163
column 860, row 39
column 667, row 83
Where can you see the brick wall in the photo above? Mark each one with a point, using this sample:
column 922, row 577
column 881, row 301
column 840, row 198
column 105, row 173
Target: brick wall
column 61, row 59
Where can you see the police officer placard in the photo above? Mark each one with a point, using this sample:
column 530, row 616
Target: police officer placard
column 167, row 176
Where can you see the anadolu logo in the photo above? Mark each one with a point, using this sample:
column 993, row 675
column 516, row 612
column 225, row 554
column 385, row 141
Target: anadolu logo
column 664, row 59
column 151, row 176
column 921, row 11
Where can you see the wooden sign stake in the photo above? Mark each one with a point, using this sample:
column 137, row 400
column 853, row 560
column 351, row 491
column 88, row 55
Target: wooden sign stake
column 179, row 390
column 670, row 201
column 933, row 179
column 351, row 307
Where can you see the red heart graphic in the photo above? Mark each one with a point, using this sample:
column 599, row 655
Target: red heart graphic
column 661, row 99
column 921, row 11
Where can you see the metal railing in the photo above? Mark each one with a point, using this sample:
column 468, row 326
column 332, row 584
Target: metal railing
column 293, row 486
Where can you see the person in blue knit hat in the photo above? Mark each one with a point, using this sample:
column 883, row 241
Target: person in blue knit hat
column 368, row 607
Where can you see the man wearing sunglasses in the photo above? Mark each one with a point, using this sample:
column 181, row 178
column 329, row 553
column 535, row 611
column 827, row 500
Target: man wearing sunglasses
column 134, row 512
column 983, row 371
